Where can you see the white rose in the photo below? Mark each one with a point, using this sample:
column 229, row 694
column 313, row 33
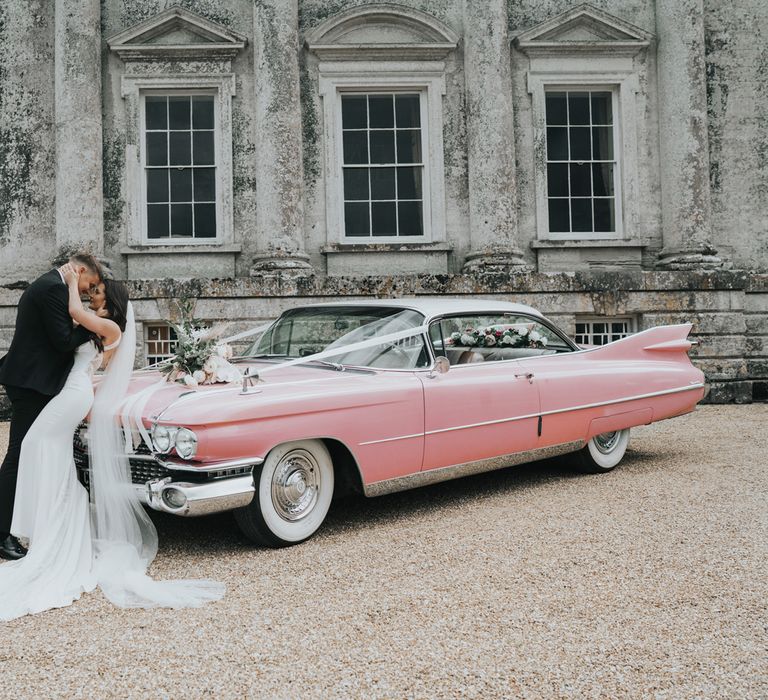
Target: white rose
column 467, row 339
column 189, row 380
column 211, row 365
column 543, row 340
column 522, row 331
column 507, row 340
column 455, row 335
column 535, row 336
column 490, row 341
column 199, row 376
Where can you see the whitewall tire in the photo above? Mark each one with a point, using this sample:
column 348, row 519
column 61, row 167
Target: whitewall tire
column 294, row 488
column 603, row 452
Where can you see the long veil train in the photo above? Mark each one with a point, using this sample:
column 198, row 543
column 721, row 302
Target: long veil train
column 125, row 539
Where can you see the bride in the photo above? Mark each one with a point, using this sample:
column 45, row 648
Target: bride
column 74, row 547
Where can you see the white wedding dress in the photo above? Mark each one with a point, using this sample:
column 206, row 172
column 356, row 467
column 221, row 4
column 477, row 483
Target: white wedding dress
column 51, row 507
column 76, row 544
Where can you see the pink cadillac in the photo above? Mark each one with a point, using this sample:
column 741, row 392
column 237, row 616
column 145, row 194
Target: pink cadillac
column 463, row 387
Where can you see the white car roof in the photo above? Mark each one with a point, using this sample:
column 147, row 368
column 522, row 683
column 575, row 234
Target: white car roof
column 440, row 306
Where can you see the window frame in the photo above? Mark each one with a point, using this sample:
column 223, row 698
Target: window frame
column 386, row 79
column 623, row 82
column 426, row 173
column 134, row 90
column 632, row 324
column 146, row 240
column 147, row 326
column 617, row 158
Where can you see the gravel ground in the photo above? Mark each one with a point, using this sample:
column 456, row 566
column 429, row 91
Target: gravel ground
column 531, row 582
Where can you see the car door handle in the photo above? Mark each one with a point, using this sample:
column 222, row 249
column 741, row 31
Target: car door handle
column 527, row 375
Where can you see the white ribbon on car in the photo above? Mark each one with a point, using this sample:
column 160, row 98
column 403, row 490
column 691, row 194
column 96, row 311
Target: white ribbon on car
column 132, row 409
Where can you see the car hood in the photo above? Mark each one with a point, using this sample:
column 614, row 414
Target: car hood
column 286, row 390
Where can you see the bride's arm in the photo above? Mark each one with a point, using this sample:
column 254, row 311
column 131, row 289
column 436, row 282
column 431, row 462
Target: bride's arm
column 103, row 327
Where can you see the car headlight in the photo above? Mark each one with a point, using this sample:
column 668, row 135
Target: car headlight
column 162, row 438
column 186, row 443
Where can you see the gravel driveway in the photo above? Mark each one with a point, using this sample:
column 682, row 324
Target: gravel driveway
column 532, row 582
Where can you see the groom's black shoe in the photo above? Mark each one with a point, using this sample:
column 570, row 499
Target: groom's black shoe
column 11, row 548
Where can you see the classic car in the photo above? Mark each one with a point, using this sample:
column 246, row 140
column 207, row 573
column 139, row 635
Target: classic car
column 386, row 395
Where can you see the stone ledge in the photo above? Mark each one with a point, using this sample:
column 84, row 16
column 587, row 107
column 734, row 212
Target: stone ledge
column 180, row 248
column 588, row 243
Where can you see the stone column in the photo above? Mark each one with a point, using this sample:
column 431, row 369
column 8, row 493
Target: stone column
column 490, row 139
column 77, row 100
column 683, row 139
column 279, row 166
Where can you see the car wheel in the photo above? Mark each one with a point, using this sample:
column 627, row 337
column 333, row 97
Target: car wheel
column 294, row 488
column 603, row 452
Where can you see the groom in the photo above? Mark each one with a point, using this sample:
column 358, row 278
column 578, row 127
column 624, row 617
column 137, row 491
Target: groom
column 35, row 369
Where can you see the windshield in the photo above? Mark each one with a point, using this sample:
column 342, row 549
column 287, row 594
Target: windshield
column 303, row 332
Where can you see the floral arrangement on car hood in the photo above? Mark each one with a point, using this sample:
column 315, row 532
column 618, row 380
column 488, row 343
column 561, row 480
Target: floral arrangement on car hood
column 520, row 336
column 200, row 358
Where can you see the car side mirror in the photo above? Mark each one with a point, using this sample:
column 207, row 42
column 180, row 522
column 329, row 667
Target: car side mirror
column 442, row 364
column 250, row 377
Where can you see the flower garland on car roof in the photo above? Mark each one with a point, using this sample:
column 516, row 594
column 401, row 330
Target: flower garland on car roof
column 520, row 336
column 200, row 357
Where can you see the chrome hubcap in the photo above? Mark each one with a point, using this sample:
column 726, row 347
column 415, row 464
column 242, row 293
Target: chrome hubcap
column 607, row 441
column 295, row 485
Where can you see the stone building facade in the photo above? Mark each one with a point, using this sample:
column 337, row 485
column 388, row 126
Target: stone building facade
column 606, row 163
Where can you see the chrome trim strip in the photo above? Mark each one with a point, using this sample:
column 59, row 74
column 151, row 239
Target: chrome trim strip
column 202, row 499
column 434, row 476
column 545, row 413
column 212, row 466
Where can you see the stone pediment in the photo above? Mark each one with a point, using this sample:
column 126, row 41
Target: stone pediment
column 382, row 31
column 583, row 29
column 176, row 33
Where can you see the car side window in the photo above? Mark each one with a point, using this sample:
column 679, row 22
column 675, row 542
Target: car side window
column 493, row 337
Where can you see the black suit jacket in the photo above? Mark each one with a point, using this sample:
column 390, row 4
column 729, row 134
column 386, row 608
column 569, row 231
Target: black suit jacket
column 43, row 345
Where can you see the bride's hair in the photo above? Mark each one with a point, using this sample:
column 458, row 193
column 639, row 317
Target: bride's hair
column 116, row 302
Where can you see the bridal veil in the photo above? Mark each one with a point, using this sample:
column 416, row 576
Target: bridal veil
column 125, row 539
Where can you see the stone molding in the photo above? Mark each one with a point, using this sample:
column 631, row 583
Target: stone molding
column 195, row 37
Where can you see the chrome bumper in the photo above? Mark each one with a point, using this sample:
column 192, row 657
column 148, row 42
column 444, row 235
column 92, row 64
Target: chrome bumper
column 190, row 499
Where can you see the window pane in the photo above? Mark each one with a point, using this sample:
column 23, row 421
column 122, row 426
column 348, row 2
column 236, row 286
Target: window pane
column 382, row 146
column 581, row 185
column 604, row 214
column 205, row 184
column 409, row 146
column 578, row 108
column 157, row 221
column 407, row 111
column 181, row 185
column 178, row 112
column 156, row 112
column 181, row 220
column 383, row 215
column 180, row 148
column 202, row 141
column 557, row 143
column 556, row 108
column 356, row 183
column 409, row 217
column 602, row 179
column 202, row 112
column 355, row 147
column 581, row 215
column 157, row 185
column 205, row 221
column 558, row 216
column 580, row 146
column 382, row 183
column 157, row 149
column 557, row 179
column 602, row 110
column 602, row 142
column 356, row 221
column 381, row 112
column 353, row 112
column 409, row 183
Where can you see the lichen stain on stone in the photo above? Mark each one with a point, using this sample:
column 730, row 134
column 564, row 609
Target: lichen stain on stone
column 243, row 153
column 135, row 11
column 310, row 125
column 112, row 177
column 313, row 13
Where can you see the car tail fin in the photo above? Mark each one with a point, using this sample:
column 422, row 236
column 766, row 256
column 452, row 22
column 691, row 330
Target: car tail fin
column 659, row 341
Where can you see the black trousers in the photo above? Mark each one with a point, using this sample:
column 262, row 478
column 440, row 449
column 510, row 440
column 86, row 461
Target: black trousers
column 26, row 405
